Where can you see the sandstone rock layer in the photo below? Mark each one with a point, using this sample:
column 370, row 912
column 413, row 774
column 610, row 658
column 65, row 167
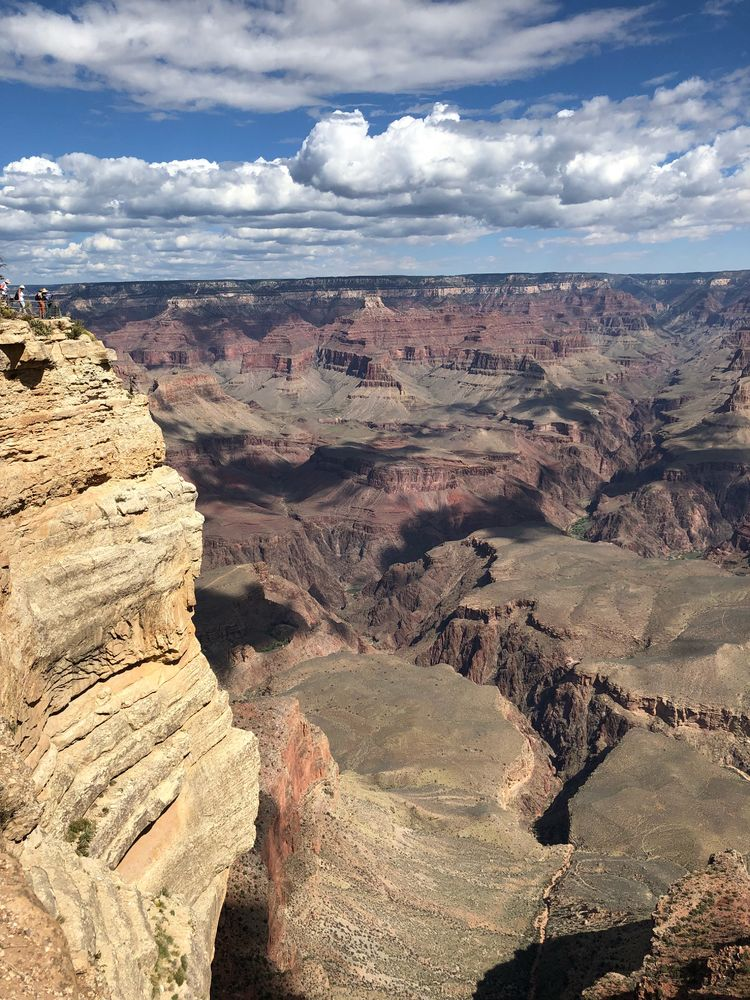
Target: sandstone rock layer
column 129, row 793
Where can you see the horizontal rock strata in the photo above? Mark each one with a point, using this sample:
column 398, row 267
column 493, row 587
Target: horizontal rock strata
column 132, row 792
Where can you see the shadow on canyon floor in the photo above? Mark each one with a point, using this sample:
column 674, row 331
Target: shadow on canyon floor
column 445, row 524
column 226, row 621
column 553, row 826
column 241, row 969
column 567, row 965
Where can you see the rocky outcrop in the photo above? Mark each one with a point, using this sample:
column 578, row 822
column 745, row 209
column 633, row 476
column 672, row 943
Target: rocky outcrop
column 260, row 951
column 130, row 792
column 590, row 641
column 411, row 599
column 700, row 941
column 35, row 961
column 255, row 625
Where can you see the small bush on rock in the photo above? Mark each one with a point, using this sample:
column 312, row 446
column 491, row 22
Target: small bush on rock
column 579, row 528
column 39, row 327
column 81, row 832
column 76, row 330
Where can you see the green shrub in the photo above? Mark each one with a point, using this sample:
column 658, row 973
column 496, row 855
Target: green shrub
column 39, row 327
column 7, row 313
column 579, row 528
column 277, row 637
column 76, row 330
column 81, row 832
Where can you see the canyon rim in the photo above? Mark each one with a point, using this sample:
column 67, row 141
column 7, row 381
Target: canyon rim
column 474, row 586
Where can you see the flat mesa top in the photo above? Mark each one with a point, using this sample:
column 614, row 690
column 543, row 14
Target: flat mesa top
column 653, row 627
column 408, row 726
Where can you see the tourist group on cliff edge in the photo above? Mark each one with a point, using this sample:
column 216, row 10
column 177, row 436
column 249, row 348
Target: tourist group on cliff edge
column 43, row 298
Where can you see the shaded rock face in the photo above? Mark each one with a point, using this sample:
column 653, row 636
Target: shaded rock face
column 260, row 946
column 254, row 625
column 126, row 791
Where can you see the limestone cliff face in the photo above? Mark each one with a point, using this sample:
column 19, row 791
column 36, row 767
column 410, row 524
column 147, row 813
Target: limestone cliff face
column 126, row 793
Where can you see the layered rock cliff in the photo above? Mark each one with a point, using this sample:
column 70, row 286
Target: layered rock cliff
column 125, row 792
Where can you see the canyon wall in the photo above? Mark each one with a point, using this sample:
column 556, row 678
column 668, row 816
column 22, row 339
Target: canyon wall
column 125, row 792
column 334, row 426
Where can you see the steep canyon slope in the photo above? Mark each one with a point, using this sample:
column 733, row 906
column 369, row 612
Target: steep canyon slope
column 399, row 474
column 125, row 792
column 339, row 424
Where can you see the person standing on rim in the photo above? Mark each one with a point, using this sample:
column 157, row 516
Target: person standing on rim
column 41, row 301
column 20, row 298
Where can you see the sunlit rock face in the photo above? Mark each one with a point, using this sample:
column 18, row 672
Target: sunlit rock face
column 131, row 791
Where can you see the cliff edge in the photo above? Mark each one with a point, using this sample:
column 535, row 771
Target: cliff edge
column 125, row 792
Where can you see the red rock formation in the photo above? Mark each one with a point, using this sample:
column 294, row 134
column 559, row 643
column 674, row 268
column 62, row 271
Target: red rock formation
column 298, row 782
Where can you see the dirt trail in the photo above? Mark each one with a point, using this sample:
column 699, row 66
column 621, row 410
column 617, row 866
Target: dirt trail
column 543, row 919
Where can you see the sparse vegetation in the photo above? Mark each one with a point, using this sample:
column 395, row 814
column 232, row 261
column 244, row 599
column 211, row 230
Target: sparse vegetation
column 81, row 832
column 39, row 327
column 579, row 528
column 76, row 330
column 169, row 966
column 277, row 637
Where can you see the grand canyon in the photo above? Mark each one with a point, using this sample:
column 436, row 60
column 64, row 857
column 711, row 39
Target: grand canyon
column 452, row 699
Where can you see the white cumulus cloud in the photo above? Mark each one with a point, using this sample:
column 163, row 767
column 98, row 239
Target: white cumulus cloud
column 294, row 53
column 648, row 169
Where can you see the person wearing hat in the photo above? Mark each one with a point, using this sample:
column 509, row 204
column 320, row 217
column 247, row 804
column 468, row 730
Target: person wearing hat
column 3, row 290
column 20, row 298
column 41, row 301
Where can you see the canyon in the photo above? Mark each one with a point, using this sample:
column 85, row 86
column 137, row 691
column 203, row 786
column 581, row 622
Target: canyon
column 473, row 591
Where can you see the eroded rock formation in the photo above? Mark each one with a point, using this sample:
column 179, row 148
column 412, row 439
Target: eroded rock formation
column 700, row 943
column 413, row 871
column 126, row 793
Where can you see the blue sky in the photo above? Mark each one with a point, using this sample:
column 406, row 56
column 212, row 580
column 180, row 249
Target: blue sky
column 159, row 138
